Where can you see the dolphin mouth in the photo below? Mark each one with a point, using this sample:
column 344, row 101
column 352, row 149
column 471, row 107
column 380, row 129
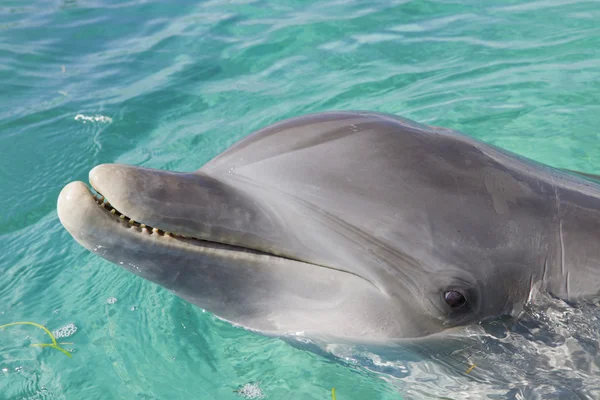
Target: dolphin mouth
column 79, row 215
column 89, row 216
column 104, row 204
column 142, row 228
column 149, row 232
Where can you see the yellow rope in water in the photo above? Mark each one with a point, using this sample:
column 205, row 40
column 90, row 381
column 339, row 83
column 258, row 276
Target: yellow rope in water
column 333, row 393
column 54, row 344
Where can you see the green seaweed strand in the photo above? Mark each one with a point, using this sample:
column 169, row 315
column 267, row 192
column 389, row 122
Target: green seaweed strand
column 53, row 345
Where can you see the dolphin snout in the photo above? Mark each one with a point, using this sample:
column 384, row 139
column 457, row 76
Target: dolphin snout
column 71, row 205
column 99, row 176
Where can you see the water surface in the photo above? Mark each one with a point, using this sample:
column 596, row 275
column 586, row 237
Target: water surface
column 171, row 84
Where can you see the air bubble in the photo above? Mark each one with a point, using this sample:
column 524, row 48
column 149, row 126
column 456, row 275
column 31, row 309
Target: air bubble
column 65, row 331
column 111, row 300
column 93, row 118
column 251, row 391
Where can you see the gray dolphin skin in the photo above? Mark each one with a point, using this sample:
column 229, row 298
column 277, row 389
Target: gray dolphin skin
column 356, row 226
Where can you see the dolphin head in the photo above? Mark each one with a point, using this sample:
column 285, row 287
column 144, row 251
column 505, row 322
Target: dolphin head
column 349, row 225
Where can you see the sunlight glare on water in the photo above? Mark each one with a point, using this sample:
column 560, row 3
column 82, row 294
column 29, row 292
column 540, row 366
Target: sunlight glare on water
column 170, row 85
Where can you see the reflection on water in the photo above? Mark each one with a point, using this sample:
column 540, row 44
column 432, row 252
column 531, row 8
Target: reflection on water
column 551, row 352
column 170, row 85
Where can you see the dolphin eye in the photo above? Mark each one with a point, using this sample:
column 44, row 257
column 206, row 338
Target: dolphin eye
column 455, row 299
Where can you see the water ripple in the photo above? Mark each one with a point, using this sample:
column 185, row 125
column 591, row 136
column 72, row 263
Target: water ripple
column 181, row 82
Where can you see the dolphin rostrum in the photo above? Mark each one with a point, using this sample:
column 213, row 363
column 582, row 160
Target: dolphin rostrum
column 357, row 226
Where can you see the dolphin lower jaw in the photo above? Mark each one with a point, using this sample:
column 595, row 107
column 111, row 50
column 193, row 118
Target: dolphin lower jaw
column 77, row 212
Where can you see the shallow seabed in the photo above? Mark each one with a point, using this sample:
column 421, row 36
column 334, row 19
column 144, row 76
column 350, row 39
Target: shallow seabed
column 171, row 84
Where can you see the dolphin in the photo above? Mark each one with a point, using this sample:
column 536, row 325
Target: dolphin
column 355, row 226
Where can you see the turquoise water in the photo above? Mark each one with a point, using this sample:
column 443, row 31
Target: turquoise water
column 170, row 85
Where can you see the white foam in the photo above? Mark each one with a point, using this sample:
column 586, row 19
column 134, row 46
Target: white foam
column 111, row 300
column 550, row 348
column 65, row 331
column 93, row 118
column 251, row 391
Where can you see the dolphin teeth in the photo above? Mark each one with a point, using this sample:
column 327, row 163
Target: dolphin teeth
column 102, row 202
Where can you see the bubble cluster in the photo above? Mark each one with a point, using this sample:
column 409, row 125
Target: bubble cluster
column 65, row 331
column 93, row 118
column 251, row 391
column 111, row 300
